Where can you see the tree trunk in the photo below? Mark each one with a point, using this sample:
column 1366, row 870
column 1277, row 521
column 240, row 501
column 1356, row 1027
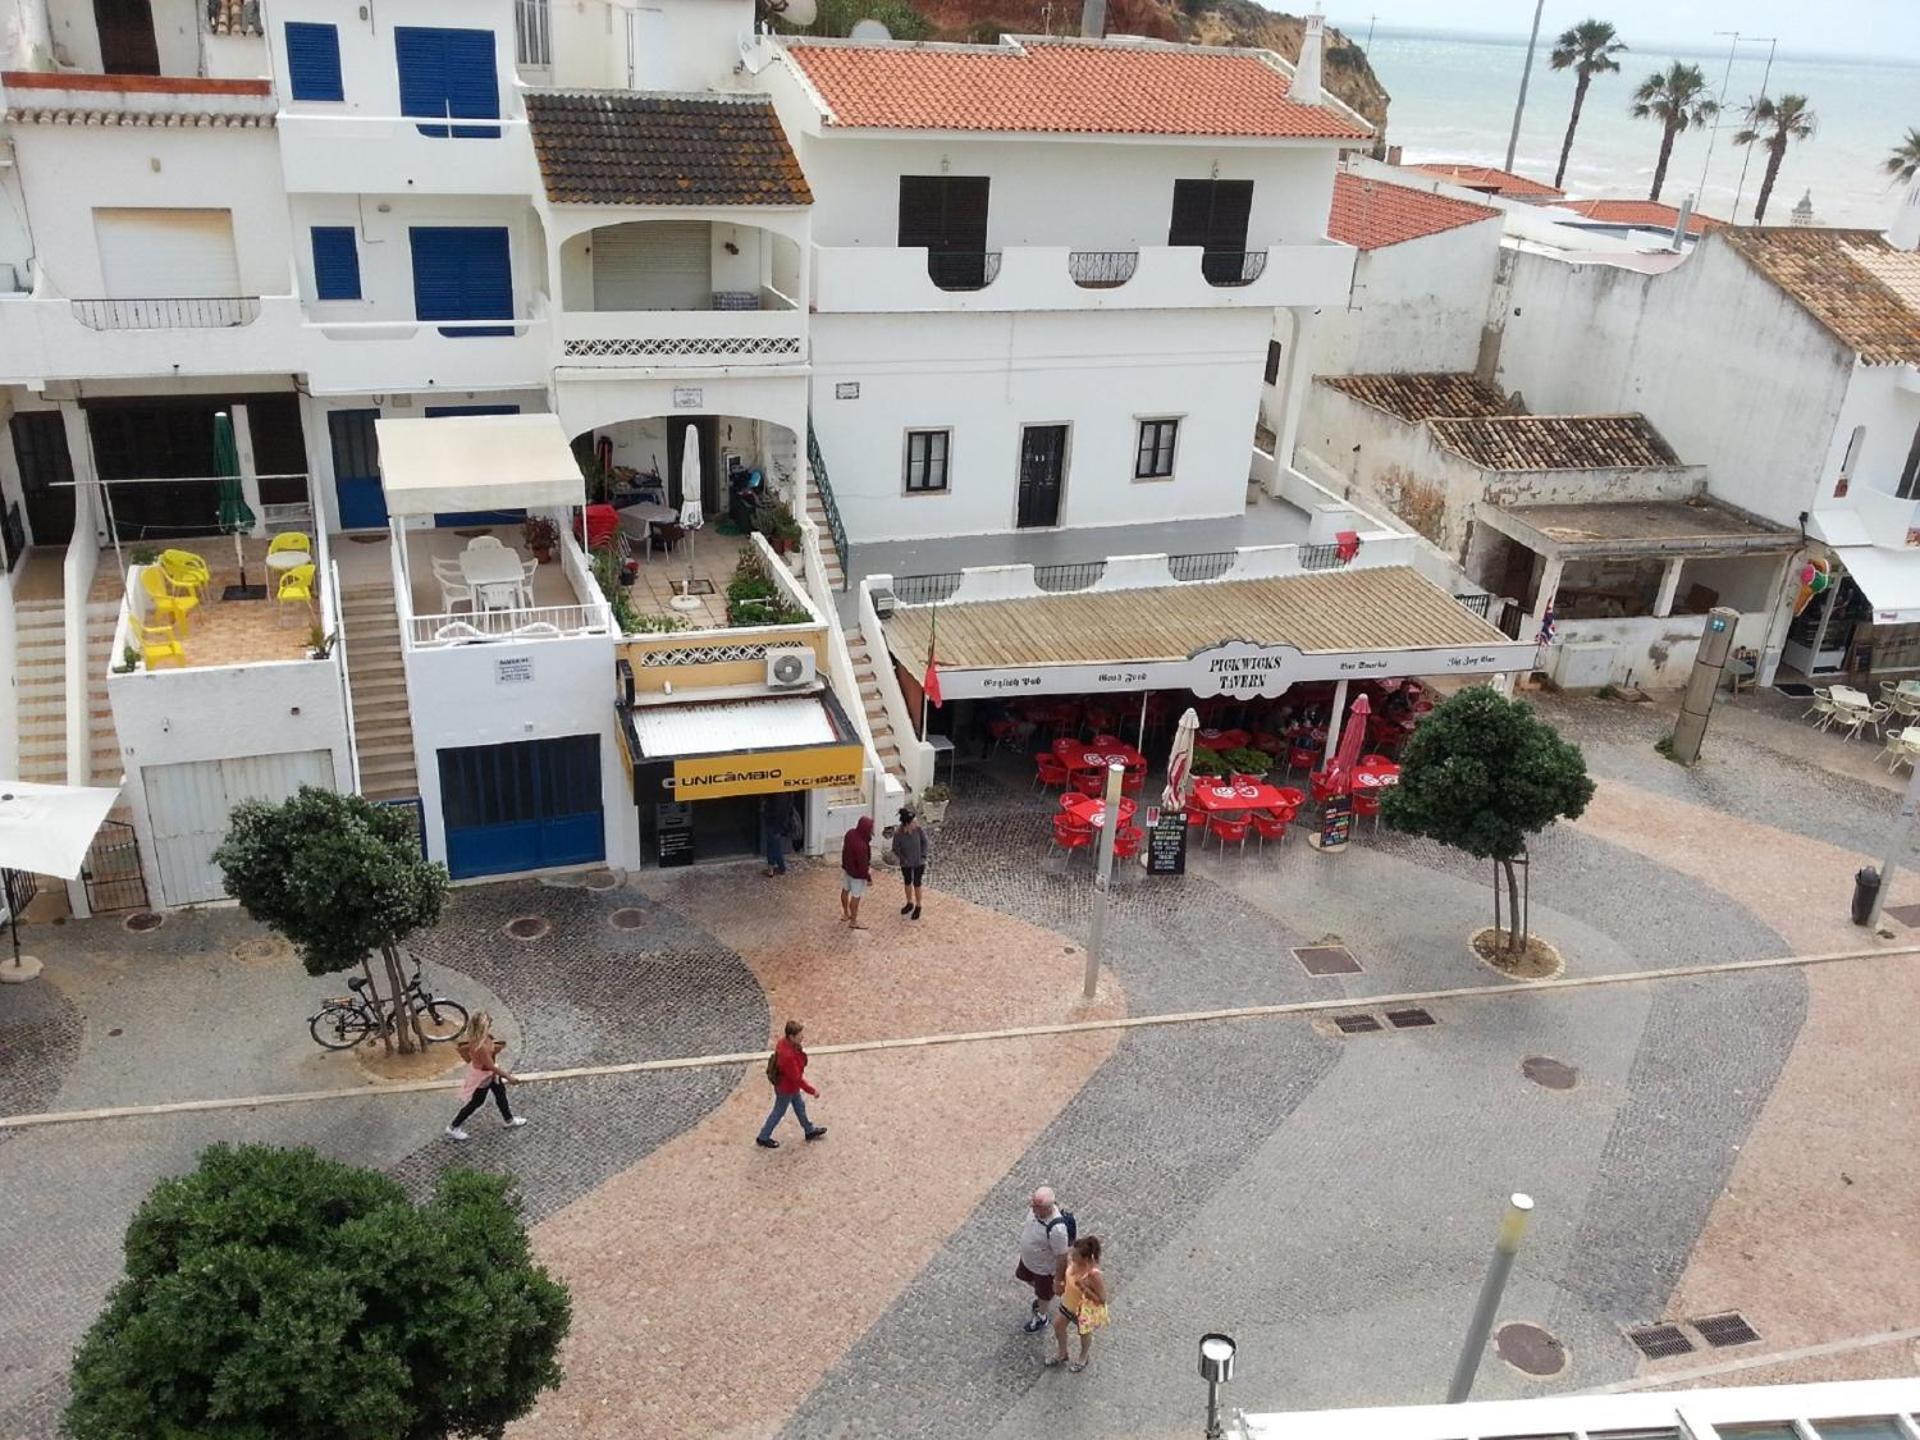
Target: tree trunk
column 373, row 995
column 1573, row 123
column 1516, row 936
column 1660, row 169
column 1776, row 152
column 402, row 1020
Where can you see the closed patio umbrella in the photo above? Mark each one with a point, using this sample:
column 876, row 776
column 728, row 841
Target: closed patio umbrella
column 1353, row 738
column 692, row 517
column 1180, row 761
column 236, row 517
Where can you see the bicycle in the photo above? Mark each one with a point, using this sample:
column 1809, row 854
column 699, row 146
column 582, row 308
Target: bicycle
column 347, row 1020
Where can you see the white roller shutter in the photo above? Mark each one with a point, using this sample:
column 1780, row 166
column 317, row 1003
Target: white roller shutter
column 166, row 254
column 656, row 265
column 187, row 808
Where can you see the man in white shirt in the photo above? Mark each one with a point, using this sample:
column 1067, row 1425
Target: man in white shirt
column 1044, row 1242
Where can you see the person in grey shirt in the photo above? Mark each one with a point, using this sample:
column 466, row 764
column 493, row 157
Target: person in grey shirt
column 911, row 844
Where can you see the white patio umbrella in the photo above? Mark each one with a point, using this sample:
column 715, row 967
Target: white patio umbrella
column 45, row 830
column 1180, row 761
column 692, row 517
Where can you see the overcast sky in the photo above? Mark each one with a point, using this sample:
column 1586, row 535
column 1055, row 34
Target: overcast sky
column 1887, row 29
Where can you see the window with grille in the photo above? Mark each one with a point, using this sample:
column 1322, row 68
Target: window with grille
column 1154, row 460
column 927, row 452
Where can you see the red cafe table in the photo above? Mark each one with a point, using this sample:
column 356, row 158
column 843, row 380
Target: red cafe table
column 1076, row 755
column 1218, row 797
column 1375, row 772
column 1094, row 812
column 1221, row 739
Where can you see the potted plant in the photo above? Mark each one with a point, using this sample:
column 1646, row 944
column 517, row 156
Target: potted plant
column 319, row 643
column 933, row 803
column 129, row 661
column 143, row 555
column 1248, row 761
column 541, row 535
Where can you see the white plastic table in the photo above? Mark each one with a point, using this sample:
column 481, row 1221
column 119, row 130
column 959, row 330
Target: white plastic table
column 490, row 571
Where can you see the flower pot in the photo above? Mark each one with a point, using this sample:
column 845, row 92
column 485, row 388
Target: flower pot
column 934, row 811
column 545, row 557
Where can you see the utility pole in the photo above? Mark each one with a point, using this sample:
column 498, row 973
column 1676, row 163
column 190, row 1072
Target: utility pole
column 1513, row 140
column 1103, row 877
column 1765, row 77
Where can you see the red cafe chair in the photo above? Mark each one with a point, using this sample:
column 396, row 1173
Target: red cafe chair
column 1104, row 741
column 1196, row 819
column 1090, row 780
column 1366, row 803
column 1049, row 773
column 1302, row 757
column 1126, row 843
column 1323, row 789
column 1247, row 779
column 1070, row 797
column 1271, row 825
column 1134, row 780
column 1231, row 827
column 1071, row 833
column 1290, row 801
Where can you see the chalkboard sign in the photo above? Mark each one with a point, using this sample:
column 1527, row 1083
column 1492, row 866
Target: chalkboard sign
column 1167, row 845
column 1336, row 823
column 673, row 830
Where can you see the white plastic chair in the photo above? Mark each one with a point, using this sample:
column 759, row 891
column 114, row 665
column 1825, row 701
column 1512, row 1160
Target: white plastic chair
column 485, row 542
column 527, row 569
column 453, row 593
column 1822, row 706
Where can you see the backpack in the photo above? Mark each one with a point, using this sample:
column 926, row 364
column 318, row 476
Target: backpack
column 1065, row 1217
column 773, row 1075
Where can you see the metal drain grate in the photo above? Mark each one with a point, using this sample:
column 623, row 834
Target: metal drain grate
column 1355, row 1024
column 1721, row 1331
column 1659, row 1342
column 1410, row 1019
column 1327, row 960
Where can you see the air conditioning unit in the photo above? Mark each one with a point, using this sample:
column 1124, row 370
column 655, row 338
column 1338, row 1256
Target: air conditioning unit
column 789, row 669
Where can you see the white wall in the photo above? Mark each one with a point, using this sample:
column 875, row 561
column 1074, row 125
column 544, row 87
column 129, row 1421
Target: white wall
column 176, row 33
column 1417, row 306
column 68, row 170
column 456, row 701
column 1736, row 376
column 1655, row 653
column 386, row 259
column 985, row 376
column 1890, row 410
column 686, row 44
column 369, row 72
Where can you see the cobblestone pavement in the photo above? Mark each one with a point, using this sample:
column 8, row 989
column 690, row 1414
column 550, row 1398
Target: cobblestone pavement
column 1732, row 1141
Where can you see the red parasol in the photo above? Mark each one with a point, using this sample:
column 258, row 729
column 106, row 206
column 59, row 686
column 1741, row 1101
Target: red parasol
column 1353, row 737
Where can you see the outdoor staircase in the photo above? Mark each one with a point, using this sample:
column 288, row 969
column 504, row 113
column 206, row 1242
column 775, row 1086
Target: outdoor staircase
column 829, row 552
column 41, row 645
column 104, row 766
column 377, row 681
column 883, row 740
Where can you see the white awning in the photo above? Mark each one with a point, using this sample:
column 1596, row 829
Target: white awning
column 47, row 829
column 731, row 727
column 1890, row 579
column 459, row 463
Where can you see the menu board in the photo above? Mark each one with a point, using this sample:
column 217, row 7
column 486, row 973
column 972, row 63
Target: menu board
column 673, row 833
column 1167, row 844
column 1336, row 823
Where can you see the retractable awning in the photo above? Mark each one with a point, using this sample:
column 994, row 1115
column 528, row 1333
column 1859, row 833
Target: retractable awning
column 461, row 463
column 713, row 750
column 1890, row 579
column 47, row 829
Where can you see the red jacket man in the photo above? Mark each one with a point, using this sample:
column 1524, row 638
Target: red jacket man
column 790, row 1064
column 789, row 1082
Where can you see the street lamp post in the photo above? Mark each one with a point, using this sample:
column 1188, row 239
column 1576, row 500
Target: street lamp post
column 1103, row 879
column 1216, row 1368
column 1505, row 1247
column 1520, row 105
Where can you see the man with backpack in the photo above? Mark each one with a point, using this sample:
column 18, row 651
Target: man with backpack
column 1045, row 1240
column 787, row 1071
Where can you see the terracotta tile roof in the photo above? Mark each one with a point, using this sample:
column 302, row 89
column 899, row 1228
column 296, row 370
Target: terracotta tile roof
column 1414, row 398
column 619, row 147
column 1852, row 281
column 234, row 17
column 1642, row 214
column 1555, row 442
column 1372, row 213
column 1089, row 87
column 1492, row 181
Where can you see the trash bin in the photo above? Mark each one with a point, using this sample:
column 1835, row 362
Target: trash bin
column 1866, row 885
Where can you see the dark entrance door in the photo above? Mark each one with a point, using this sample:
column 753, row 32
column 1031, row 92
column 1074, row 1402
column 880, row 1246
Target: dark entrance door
column 46, row 474
column 127, row 46
column 1213, row 214
column 708, row 428
column 1043, row 461
column 948, row 215
column 356, row 469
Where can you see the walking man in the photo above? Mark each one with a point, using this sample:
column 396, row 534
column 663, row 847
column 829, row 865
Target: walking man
column 787, row 1069
column 776, row 827
column 910, row 846
column 1046, row 1239
column 856, row 869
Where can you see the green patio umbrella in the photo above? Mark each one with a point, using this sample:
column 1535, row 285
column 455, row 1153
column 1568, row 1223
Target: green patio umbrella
column 236, row 518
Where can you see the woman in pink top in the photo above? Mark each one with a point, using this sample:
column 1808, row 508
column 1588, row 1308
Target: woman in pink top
column 483, row 1075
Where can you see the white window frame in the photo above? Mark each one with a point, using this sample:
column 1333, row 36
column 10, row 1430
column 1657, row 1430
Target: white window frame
column 907, row 486
column 1140, row 423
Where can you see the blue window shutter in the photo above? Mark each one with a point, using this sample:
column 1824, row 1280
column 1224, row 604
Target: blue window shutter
column 422, row 63
column 448, row 73
column 336, row 263
column 313, row 61
column 462, row 272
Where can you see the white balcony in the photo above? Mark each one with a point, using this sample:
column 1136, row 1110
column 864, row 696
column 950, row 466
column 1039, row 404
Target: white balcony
column 354, row 357
column 865, row 279
column 1891, row 522
column 774, row 335
column 55, row 337
column 354, row 155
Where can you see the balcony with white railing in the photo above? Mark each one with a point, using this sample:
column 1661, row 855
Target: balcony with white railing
column 353, row 154
column 771, row 334
column 866, row 279
column 357, row 356
column 557, row 600
column 1890, row 521
column 48, row 336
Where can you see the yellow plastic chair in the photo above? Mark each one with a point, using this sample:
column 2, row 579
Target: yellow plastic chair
column 169, row 608
column 157, row 642
column 290, row 541
column 185, row 571
column 296, row 587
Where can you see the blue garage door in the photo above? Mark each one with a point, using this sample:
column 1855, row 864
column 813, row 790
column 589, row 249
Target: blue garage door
column 476, row 517
column 462, row 272
column 525, row 806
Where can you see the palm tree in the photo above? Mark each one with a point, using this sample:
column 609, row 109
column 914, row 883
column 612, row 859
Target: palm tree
column 1587, row 50
column 1904, row 162
column 1677, row 98
column 1773, row 123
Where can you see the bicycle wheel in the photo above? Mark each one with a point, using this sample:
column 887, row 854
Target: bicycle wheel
column 440, row 1020
column 340, row 1027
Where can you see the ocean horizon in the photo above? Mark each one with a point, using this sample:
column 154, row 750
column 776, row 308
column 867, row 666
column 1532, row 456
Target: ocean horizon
column 1452, row 95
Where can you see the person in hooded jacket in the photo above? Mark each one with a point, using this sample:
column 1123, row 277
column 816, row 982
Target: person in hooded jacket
column 788, row 1072
column 856, row 869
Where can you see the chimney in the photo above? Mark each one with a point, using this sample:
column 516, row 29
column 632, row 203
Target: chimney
column 1093, row 19
column 1306, row 73
column 1680, row 224
column 1904, row 233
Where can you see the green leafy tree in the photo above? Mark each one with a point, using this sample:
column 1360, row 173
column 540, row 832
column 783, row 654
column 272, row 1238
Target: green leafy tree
column 1772, row 123
column 275, row 1293
column 1587, row 49
column 1903, row 161
column 1677, row 97
column 341, row 877
column 1481, row 773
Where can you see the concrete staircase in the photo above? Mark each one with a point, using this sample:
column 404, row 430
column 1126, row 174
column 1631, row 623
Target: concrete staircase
column 829, row 552
column 883, row 738
column 41, row 641
column 105, row 767
column 377, row 680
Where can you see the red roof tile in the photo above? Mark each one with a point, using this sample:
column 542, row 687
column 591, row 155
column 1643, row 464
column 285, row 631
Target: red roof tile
column 1124, row 88
column 1371, row 213
column 1643, row 214
column 1492, row 181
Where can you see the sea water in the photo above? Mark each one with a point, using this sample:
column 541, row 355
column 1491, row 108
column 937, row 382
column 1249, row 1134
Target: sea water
column 1453, row 99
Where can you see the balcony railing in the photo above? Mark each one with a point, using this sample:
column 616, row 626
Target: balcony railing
column 1233, row 267
column 486, row 627
column 194, row 312
column 962, row 270
column 1102, row 269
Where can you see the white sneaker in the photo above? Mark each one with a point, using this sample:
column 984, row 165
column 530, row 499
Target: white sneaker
column 516, row 1122
column 454, row 1132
